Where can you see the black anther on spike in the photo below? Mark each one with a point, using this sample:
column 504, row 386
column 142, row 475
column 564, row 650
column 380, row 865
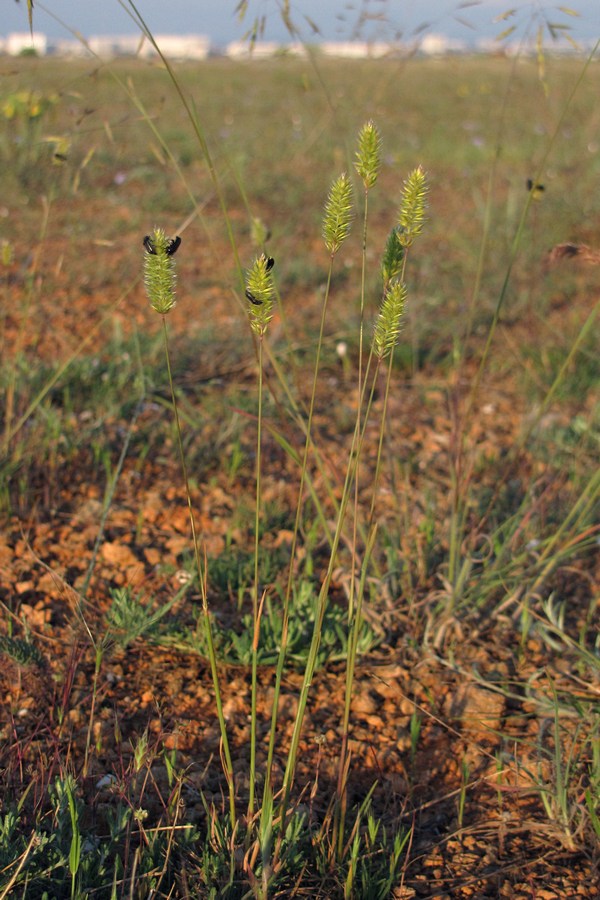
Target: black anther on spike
column 171, row 248
column 250, row 296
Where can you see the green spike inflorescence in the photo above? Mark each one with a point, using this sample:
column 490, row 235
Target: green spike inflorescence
column 338, row 213
column 368, row 155
column 159, row 271
column 411, row 217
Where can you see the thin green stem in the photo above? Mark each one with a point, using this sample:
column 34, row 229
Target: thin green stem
column 359, row 393
column 255, row 604
column 201, row 570
column 340, row 810
column 296, row 530
column 353, row 458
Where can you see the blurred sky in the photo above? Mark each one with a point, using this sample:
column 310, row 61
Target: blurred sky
column 337, row 19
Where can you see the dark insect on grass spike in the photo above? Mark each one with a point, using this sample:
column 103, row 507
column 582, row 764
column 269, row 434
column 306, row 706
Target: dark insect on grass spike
column 534, row 186
column 172, row 245
column 250, row 296
column 269, row 263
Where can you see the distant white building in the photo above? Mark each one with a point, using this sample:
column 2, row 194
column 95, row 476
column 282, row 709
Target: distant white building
column 262, row 49
column 193, row 46
column 355, row 49
column 174, row 46
column 248, row 50
column 109, row 46
column 17, row 42
column 65, row 47
column 439, row 45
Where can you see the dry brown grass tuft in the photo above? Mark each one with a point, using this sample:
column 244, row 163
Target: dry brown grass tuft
column 581, row 252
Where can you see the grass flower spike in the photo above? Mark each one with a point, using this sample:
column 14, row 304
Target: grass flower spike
column 412, row 208
column 368, row 155
column 338, row 214
column 389, row 320
column 393, row 256
column 159, row 270
column 259, row 293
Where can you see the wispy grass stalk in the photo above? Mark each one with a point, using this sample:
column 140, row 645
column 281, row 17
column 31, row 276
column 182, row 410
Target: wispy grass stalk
column 259, row 294
column 159, row 278
column 367, row 165
column 336, row 226
column 385, row 337
column 354, row 455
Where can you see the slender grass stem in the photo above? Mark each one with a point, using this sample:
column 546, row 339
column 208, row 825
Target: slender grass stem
column 340, row 808
column 353, row 457
column 295, row 533
column 255, row 591
column 201, row 570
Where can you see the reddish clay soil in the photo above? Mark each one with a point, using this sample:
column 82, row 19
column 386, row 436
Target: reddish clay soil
column 483, row 697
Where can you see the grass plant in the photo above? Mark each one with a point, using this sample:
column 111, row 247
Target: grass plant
column 345, row 507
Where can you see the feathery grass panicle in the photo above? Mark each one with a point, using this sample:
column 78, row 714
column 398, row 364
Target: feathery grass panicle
column 389, row 320
column 411, row 217
column 159, row 271
column 393, row 256
column 259, row 293
column 338, row 213
column 368, row 155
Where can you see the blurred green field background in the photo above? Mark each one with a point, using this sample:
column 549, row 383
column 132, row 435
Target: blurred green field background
column 94, row 155
column 282, row 129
